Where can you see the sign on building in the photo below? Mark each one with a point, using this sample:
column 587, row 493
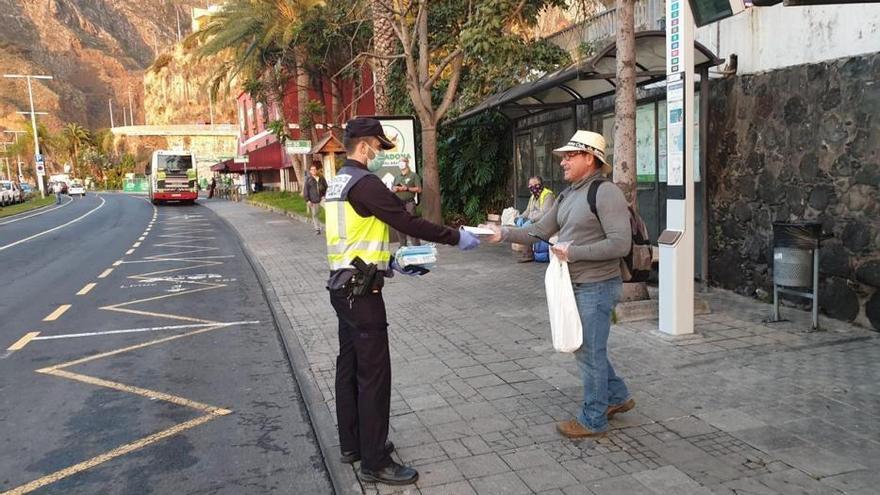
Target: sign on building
column 298, row 147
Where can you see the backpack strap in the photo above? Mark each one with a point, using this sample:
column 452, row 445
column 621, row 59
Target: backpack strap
column 591, row 197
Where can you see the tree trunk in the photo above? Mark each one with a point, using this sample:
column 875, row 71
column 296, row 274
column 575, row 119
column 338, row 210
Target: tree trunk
column 337, row 114
column 302, row 99
column 383, row 40
column 430, row 196
column 625, row 122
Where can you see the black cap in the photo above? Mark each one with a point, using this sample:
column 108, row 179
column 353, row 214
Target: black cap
column 365, row 127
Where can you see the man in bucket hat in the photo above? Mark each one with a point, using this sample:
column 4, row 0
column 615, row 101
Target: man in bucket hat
column 592, row 245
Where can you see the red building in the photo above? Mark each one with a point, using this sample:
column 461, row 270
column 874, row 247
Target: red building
column 268, row 163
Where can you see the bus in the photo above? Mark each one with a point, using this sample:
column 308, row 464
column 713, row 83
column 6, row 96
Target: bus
column 173, row 177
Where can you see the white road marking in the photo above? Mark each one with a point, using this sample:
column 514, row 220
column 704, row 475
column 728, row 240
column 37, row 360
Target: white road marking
column 129, row 252
column 77, row 219
column 105, row 273
column 16, row 218
column 145, row 329
column 136, row 245
column 117, row 262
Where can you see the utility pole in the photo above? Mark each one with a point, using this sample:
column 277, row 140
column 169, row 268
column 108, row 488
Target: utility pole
column 130, row 107
column 37, row 158
column 17, row 154
column 110, row 102
column 177, row 12
column 211, row 106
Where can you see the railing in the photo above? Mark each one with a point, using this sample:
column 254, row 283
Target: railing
column 601, row 29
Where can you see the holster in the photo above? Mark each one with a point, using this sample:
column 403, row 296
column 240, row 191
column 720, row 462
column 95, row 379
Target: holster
column 367, row 278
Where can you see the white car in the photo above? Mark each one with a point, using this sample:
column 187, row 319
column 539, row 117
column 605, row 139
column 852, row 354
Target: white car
column 76, row 187
column 10, row 193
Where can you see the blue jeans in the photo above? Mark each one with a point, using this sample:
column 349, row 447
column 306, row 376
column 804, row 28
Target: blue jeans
column 601, row 385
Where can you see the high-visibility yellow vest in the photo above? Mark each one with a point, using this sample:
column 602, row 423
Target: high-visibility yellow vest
column 349, row 234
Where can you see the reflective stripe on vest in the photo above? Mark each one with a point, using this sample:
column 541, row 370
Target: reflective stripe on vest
column 349, row 234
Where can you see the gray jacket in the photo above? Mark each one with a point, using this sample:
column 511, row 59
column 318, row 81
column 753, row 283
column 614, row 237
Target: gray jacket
column 596, row 248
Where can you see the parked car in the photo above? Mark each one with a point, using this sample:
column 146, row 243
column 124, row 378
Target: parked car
column 77, row 188
column 11, row 193
column 26, row 190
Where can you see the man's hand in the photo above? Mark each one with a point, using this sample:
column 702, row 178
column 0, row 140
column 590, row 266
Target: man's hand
column 560, row 249
column 412, row 270
column 494, row 238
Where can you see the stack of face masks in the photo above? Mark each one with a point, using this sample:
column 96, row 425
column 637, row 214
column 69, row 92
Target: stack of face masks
column 424, row 256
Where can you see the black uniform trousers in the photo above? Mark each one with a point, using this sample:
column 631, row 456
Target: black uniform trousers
column 363, row 376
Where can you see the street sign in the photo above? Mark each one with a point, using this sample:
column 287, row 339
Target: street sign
column 709, row 11
column 298, row 147
column 39, row 158
column 41, row 169
column 241, row 159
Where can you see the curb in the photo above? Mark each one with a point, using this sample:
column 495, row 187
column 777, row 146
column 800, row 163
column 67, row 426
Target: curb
column 342, row 476
column 296, row 216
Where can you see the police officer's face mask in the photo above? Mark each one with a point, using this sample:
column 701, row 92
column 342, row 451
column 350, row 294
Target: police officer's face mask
column 373, row 163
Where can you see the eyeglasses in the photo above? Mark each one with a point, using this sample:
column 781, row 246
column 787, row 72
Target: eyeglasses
column 570, row 155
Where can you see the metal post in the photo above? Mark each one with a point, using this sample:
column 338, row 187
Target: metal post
column 33, row 119
column 110, row 102
column 130, row 107
column 704, row 167
column 816, row 286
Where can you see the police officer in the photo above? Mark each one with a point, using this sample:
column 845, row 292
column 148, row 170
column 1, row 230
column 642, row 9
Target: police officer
column 359, row 211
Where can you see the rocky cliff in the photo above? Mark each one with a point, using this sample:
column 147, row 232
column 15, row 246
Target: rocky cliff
column 176, row 91
column 97, row 50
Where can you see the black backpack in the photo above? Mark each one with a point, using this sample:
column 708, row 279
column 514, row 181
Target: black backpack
column 636, row 265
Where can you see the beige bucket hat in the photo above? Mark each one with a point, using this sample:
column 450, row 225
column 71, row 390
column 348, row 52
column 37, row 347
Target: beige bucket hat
column 591, row 142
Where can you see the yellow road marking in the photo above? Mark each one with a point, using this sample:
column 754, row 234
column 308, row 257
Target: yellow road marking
column 117, row 262
column 129, row 252
column 105, row 273
column 150, row 394
column 117, row 452
column 85, row 290
column 136, row 245
column 57, row 313
column 20, row 343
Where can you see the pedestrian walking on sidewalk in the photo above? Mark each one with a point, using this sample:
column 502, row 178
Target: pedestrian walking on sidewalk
column 313, row 191
column 593, row 246
column 360, row 209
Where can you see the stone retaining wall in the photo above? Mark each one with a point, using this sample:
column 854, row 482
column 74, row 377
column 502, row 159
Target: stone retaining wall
column 801, row 143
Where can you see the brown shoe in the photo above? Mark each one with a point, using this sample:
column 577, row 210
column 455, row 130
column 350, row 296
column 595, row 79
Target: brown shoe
column 620, row 408
column 572, row 428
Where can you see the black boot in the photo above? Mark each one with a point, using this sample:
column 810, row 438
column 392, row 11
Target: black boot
column 353, row 456
column 392, row 474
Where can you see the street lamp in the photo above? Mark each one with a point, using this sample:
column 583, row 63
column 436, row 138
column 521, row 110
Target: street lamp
column 37, row 156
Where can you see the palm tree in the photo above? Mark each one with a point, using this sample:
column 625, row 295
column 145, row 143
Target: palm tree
column 75, row 136
column 256, row 37
column 384, row 44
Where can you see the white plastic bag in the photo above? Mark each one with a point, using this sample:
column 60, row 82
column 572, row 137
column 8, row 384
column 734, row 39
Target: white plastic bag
column 508, row 216
column 565, row 320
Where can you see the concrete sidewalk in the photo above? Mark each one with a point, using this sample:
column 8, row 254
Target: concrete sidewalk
column 739, row 407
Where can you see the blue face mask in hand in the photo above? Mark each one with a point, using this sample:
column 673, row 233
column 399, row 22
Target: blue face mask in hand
column 467, row 241
column 412, row 270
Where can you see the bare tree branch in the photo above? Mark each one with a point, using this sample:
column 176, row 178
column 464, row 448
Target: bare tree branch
column 451, row 90
column 442, row 66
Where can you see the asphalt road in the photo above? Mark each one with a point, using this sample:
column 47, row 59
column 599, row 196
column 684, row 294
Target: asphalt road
column 165, row 376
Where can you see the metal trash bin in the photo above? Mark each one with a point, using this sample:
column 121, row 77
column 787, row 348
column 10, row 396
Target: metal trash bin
column 796, row 263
